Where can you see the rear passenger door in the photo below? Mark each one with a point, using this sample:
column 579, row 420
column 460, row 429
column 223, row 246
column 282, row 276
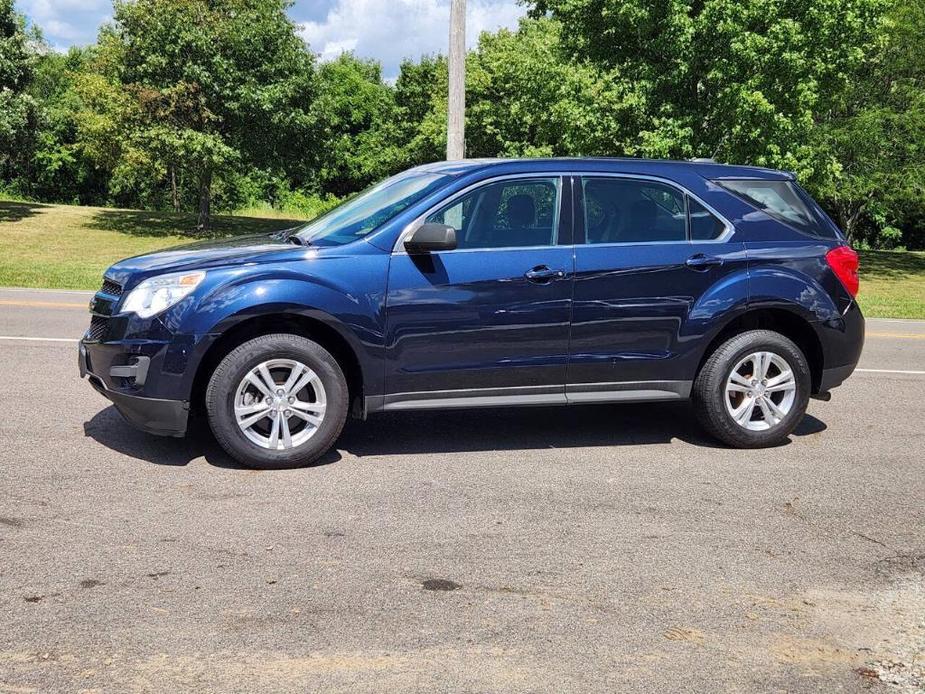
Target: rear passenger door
column 647, row 257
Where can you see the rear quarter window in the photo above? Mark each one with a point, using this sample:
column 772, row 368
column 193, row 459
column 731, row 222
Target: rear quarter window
column 703, row 224
column 784, row 201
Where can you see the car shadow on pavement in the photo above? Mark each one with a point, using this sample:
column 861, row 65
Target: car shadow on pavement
column 530, row 428
column 107, row 427
column 448, row 431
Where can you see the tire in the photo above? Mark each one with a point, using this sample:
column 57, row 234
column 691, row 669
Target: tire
column 762, row 426
column 238, row 381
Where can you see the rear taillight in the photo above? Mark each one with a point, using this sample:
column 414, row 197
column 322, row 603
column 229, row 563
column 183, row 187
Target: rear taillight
column 844, row 263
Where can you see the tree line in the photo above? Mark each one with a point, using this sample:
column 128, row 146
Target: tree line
column 219, row 104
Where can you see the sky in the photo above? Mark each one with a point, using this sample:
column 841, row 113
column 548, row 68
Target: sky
column 387, row 30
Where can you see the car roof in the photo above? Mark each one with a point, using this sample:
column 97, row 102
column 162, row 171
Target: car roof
column 652, row 167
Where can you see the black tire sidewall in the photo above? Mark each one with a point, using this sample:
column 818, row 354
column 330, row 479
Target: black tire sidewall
column 710, row 388
column 235, row 366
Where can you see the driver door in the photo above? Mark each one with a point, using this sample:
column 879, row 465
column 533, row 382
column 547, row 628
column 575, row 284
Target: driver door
column 487, row 323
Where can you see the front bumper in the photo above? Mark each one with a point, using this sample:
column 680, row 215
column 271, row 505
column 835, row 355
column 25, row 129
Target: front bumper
column 152, row 415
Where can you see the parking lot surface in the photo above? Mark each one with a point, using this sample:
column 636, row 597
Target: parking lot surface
column 604, row 548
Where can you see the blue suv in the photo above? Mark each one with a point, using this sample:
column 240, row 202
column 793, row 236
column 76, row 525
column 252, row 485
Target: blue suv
column 491, row 283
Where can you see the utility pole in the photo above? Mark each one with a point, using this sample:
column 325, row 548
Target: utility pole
column 456, row 110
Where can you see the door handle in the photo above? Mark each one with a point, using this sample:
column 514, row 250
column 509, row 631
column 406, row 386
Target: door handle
column 543, row 273
column 703, row 262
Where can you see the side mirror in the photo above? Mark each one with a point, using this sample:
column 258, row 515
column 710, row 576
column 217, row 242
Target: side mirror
column 429, row 238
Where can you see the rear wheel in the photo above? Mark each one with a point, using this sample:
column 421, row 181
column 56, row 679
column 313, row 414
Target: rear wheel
column 753, row 390
column 277, row 401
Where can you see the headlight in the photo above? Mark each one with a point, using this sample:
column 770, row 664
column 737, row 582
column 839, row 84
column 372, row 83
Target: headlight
column 159, row 293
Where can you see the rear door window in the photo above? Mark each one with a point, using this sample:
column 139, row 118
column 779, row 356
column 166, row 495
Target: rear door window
column 781, row 200
column 624, row 210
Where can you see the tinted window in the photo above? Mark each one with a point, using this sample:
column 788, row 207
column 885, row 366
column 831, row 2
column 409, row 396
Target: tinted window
column 704, row 224
column 619, row 210
column 506, row 214
column 780, row 199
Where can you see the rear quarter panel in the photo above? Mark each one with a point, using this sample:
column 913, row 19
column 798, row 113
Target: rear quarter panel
column 795, row 276
column 787, row 270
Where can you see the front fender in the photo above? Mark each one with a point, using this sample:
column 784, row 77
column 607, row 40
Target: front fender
column 346, row 296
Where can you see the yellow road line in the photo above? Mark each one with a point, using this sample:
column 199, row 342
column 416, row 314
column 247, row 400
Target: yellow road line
column 43, row 304
column 901, row 336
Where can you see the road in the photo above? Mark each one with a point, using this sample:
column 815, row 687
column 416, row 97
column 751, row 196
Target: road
column 607, row 548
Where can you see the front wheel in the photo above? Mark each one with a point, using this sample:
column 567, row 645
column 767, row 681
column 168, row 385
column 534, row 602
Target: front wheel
column 277, row 401
column 753, row 390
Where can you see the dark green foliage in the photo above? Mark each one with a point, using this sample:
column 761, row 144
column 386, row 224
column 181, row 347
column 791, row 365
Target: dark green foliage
column 19, row 112
column 874, row 138
column 357, row 120
column 215, row 88
column 188, row 103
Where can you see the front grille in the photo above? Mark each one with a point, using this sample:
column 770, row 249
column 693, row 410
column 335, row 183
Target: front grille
column 111, row 288
column 98, row 326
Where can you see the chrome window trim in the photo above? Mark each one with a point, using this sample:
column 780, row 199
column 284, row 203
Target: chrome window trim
column 722, row 238
column 729, row 231
column 411, row 227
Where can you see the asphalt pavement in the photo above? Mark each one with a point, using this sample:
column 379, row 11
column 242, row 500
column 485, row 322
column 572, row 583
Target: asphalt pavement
column 599, row 548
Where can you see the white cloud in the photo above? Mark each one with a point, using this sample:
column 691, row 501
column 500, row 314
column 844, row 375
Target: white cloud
column 387, row 30
column 66, row 22
column 390, row 30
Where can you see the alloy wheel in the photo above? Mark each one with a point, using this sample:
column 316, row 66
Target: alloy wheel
column 280, row 404
column 760, row 391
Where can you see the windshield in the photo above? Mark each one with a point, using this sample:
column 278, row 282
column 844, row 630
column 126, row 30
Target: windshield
column 367, row 211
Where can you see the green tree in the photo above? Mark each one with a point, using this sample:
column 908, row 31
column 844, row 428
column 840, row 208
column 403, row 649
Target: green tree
column 19, row 112
column 215, row 86
column 874, row 138
column 527, row 98
column 739, row 80
column 60, row 171
column 420, row 96
column 356, row 116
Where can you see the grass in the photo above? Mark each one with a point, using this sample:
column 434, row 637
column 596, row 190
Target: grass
column 67, row 247
column 893, row 284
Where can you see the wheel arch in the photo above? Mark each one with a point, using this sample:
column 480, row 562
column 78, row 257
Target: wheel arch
column 788, row 323
column 318, row 330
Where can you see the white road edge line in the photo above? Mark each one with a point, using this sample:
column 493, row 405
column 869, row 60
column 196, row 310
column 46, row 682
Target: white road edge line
column 14, row 338
column 890, row 371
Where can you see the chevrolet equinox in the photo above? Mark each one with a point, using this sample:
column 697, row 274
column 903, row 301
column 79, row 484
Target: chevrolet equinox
column 488, row 283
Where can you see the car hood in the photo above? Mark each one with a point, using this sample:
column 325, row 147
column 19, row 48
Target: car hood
column 205, row 254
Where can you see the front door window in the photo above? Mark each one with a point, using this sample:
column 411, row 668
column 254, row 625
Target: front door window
column 506, row 214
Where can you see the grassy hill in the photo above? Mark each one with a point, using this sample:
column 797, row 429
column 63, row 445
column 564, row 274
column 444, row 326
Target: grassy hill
column 68, row 247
